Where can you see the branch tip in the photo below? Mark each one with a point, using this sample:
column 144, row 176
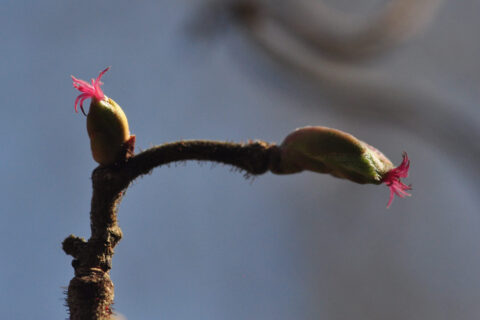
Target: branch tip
column 72, row 245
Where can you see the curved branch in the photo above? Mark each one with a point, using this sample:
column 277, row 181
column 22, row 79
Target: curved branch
column 254, row 157
column 91, row 291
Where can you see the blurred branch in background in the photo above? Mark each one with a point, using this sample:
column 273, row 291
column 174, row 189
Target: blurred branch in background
column 343, row 36
column 330, row 32
column 323, row 46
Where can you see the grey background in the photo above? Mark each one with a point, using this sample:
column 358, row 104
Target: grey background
column 202, row 242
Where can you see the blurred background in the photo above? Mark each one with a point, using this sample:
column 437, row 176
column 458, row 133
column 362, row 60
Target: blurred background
column 202, row 242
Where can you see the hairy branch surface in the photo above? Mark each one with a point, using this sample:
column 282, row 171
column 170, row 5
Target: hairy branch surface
column 91, row 291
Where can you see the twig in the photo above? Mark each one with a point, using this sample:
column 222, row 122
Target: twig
column 91, row 291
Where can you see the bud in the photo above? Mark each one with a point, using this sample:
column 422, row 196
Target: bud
column 107, row 125
column 327, row 150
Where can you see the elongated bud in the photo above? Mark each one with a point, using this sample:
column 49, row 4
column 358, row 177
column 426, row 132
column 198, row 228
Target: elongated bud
column 107, row 125
column 327, row 150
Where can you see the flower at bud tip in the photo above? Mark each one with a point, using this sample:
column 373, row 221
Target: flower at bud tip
column 328, row 150
column 392, row 180
column 88, row 90
column 107, row 124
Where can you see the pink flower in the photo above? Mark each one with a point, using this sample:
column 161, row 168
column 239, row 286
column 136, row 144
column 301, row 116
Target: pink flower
column 392, row 180
column 88, row 90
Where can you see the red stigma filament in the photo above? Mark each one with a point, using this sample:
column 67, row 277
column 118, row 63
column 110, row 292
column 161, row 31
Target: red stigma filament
column 88, row 90
column 392, row 180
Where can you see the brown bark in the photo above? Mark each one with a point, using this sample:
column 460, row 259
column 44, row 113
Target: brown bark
column 91, row 292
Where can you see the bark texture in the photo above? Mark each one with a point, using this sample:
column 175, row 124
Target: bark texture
column 91, row 291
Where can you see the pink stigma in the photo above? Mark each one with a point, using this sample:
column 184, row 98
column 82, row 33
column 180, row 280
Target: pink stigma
column 392, row 180
column 88, row 90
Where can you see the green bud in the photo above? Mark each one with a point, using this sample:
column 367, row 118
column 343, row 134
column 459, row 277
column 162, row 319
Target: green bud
column 107, row 125
column 327, row 150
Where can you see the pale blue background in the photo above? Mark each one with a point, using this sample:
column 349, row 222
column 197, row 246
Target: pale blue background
column 202, row 242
